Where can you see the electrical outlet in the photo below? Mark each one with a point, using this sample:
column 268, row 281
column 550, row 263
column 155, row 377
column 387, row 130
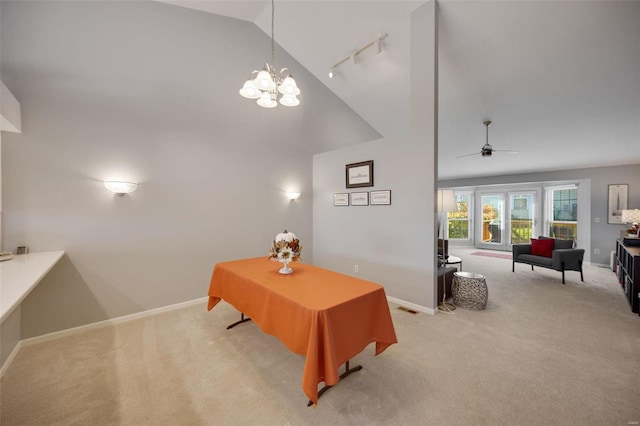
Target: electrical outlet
column 597, row 220
column 355, row 268
column 596, row 251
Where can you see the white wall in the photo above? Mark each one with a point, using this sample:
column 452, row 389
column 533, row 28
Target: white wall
column 10, row 121
column 392, row 245
column 10, row 117
column 149, row 92
column 388, row 243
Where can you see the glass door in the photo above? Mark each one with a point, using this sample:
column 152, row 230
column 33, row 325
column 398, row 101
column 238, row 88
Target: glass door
column 507, row 218
column 489, row 234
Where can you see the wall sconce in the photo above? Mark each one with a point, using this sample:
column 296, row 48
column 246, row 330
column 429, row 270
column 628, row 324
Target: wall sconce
column 292, row 196
column 119, row 187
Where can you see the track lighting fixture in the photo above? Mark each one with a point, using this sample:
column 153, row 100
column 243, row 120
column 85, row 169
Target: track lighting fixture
column 376, row 43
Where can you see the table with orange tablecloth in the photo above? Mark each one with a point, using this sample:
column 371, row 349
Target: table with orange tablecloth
column 327, row 316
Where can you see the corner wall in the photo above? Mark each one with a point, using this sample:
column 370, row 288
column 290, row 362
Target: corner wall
column 392, row 245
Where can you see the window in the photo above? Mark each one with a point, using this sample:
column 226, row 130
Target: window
column 562, row 212
column 458, row 223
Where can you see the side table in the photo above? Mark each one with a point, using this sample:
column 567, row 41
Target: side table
column 470, row 290
column 453, row 260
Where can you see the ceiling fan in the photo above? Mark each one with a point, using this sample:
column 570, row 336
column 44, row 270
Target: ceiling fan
column 487, row 150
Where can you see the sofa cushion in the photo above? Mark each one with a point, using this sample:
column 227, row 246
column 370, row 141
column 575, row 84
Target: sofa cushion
column 562, row 244
column 542, row 247
column 535, row 260
column 558, row 243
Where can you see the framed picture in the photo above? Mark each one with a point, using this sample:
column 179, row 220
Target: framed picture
column 359, row 198
column 359, row 174
column 618, row 201
column 380, row 198
column 341, row 199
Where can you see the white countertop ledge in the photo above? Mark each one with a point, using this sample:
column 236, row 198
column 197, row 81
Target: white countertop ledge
column 20, row 275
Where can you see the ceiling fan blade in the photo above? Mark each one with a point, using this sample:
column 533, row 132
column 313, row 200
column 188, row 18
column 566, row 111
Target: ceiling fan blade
column 506, row 151
column 487, row 150
column 468, row 155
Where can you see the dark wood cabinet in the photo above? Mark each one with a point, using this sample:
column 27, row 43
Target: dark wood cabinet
column 628, row 271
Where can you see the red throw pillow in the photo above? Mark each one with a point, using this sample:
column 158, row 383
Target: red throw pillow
column 542, row 247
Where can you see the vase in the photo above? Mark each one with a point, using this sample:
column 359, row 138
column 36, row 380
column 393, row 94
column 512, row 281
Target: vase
column 285, row 269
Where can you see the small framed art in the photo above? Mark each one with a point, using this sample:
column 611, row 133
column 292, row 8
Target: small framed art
column 341, row 199
column 359, row 198
column 618, row 200
column 359, row 175
column 380, row 198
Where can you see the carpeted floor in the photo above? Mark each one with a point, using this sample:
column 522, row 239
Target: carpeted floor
column 494, row 254
column 542, row 353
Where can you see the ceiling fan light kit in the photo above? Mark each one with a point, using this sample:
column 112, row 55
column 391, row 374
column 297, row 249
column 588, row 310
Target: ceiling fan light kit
column 487, row 150
column 353, row 56
column 266, row 85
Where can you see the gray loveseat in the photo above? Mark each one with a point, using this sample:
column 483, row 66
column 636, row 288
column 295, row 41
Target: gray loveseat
column 563, row 257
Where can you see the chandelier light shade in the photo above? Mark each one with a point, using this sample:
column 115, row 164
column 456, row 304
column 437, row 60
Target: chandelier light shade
column 267, row 85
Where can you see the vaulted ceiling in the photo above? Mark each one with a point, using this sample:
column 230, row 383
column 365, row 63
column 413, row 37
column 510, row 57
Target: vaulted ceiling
column 559, row 80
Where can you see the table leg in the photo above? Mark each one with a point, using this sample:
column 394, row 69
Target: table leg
column 347, row 371
column 242, row 319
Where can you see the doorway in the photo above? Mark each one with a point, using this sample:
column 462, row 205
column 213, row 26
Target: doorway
column 506, row 218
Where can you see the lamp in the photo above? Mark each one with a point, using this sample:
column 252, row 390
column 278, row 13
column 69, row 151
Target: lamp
column 376, row 43
column 633, row 217
column 266, row 85
column 292, row 196
column 120, row 187
column 446, row 203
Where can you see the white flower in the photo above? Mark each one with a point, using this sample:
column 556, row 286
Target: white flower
column 285, row 255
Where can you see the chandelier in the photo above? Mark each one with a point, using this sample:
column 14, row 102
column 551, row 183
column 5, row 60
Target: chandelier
column 266, row 85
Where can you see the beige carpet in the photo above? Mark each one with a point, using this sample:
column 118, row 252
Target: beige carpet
column 541, row 353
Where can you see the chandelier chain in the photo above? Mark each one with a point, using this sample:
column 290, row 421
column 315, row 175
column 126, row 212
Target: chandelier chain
column 273, row 43
column 268, row 86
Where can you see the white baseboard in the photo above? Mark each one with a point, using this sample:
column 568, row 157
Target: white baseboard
column 412, row 306
column 100, row 324
column 9, row 359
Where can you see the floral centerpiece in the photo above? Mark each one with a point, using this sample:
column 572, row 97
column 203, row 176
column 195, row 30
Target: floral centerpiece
column 286, row 248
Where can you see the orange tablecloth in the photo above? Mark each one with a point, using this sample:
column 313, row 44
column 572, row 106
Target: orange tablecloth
column 327, row 316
